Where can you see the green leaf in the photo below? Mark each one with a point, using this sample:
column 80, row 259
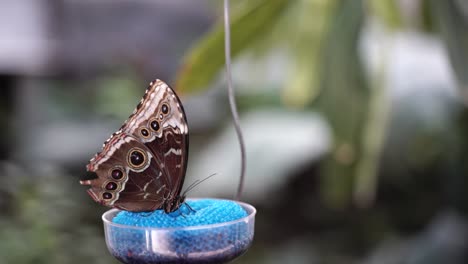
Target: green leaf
column 372, row 138
column 308, row 28
column 387, row 11
column 206, row 59
column 451, row 18
column 344, row 100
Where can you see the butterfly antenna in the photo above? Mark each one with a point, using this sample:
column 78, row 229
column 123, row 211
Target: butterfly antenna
column 195, row 183
column 191, row 185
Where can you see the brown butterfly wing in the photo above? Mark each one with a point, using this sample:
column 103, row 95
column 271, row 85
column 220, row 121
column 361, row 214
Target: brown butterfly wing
column 161, row 114
column 158, row 132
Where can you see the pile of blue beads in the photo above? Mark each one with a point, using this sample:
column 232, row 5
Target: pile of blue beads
column 201, row 231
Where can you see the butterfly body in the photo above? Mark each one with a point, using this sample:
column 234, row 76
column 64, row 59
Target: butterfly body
column 142, row 166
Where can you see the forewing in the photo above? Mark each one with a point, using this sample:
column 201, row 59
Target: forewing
column 160, row 123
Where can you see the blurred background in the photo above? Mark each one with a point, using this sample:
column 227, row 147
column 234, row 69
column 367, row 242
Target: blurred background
column 354, row 113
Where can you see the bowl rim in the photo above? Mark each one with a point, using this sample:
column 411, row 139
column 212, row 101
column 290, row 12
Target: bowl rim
column 248, row 218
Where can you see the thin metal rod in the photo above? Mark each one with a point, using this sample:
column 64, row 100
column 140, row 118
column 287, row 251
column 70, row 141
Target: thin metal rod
column 232, row 98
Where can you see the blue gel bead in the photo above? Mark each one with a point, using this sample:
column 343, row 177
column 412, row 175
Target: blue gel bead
column 205, row 212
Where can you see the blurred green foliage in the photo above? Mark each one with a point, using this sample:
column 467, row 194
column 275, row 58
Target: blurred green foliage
column 46, row 222
column 322, row 37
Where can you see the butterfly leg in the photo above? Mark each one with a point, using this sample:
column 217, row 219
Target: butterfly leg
column 190, row 208
column 146, row 214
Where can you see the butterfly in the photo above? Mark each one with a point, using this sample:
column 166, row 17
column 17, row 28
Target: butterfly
column 142, row 166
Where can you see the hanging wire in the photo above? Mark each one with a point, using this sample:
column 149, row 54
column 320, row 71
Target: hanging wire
column 232, row 99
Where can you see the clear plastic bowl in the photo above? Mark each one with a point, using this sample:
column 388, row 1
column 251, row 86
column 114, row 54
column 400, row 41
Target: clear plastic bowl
column 215, row 243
